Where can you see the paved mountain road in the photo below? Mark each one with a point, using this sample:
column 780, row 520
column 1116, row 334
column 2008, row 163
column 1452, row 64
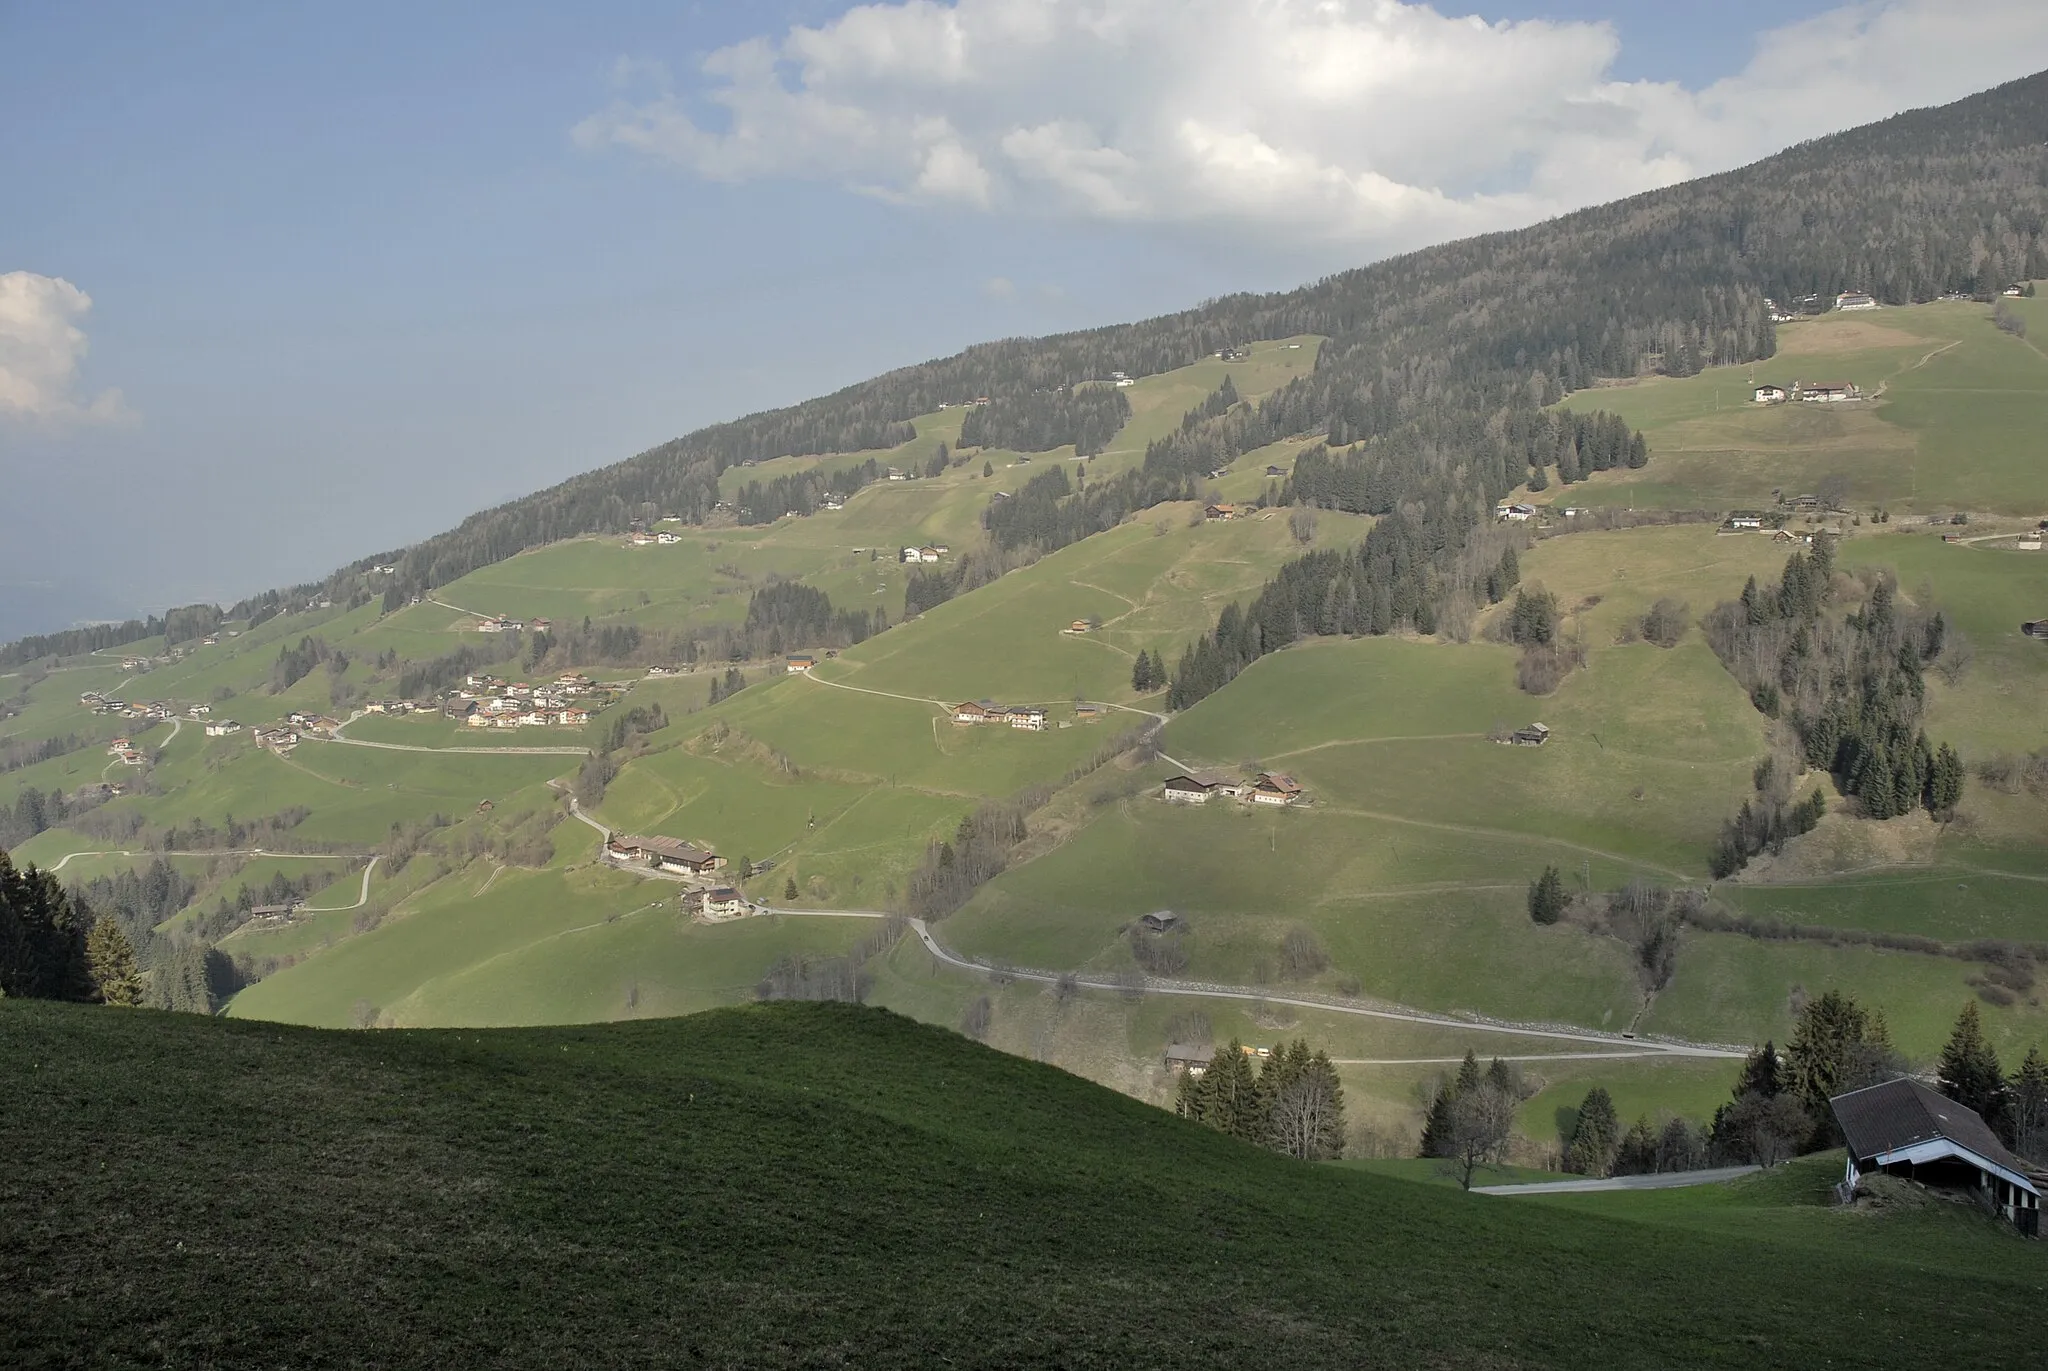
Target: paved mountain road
column 1668, row 1180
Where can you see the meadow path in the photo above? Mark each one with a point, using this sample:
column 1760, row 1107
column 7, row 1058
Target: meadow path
column 1659, row 1047
column 65, row 860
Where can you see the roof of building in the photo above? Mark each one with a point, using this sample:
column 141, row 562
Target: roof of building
column 1899, row 1114
column 675, row 849
column 725, row 894
column 1188, row 1052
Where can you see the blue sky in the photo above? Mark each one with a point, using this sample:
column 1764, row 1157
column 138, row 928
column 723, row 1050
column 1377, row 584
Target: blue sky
column 356, row 272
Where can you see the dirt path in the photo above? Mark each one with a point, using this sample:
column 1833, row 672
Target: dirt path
column 1475, row 831
column 65, row 860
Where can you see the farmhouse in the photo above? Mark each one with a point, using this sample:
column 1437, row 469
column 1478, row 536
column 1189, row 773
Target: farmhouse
column 1902, row 1128
column 641, row 540
column 1187, row 1059
column 1770, row 395
column 221, row 728
column 1027, row 716
column 1087, row 713
column 910, row 554
column 1827, row 392
column 799, row 661
column 1273, row 471
column 663, row 854
column 1535, row 735
column 1272, row 788
column 1218, row 512
column 1854, row 299
column 1746, row 518
column 724, row 903
column 1187, row 790
column 668, row 539
column 1516, row 513
column 973, row 713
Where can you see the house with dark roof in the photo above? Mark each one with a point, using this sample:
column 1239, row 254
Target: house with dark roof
column 663, row 854
column 1274, row 788
column 2035, row 628
column 1187, row 790
column 1160, row 921
column 1187, row 1058
column 1902, row 1128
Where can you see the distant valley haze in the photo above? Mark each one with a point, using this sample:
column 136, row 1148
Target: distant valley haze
column 283, row 289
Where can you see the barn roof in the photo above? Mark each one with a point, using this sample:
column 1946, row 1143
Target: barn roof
column 1904, row 1113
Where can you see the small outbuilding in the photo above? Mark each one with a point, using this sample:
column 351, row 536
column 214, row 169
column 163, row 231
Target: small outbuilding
column 1160, row 920
column 1904, row 1129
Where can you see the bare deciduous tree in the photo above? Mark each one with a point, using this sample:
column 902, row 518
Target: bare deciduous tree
column 1481, row 1119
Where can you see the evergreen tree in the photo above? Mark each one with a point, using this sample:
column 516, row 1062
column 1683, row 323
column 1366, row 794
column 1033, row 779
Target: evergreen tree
column 1547, row 900
column 112, row 961
column 1231, row 1091
column 42, row 937
column 1761, row 1072
column 1637, row 1155
column 2027, row 1107
column 1596, row 1137
column 1468, row 1072
column 1969, row 1072
column 789, row 889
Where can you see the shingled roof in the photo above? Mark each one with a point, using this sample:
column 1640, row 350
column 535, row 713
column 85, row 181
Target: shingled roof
column 1896, row 1115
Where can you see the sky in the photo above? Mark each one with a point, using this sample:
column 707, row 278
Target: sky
column 283, row 286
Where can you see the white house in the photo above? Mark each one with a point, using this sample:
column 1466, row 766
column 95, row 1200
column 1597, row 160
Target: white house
column 1186, row 790
column 724, row 903
column 911, row 554
column 1770, row 395
column 1516, row 513
column 1027, row 716
column 221, row 728
column 1745, row 518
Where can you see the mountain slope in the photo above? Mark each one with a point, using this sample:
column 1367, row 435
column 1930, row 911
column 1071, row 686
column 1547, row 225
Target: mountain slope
column 821, row 1185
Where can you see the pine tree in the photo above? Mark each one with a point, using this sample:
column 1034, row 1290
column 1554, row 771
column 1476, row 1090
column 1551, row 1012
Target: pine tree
column 1969, row 1072
column 1761, row 1072
column 1597, row 1136
column 1547, row 899
column 1232, row 1091
column 112, row 959
column 1439, row 1125
column 789, row 889
column 1468, row 1072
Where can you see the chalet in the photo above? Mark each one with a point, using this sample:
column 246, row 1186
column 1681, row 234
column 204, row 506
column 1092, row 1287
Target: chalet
column 800, row 661
column 1770, row 395
column 1080, row 626
column 1160, row 921
column 1827, row 392
column 198, row 711
column 833, row 502
column 485, row 806
column 1187, row 1059
column 666, row 539
column 660, row 673
column 1275, row 472
column 1516, row 513
column 663, row 854
column 221, row 728
column 2035, row 628
column 911, row 554
column 1272, row 788
column 2012, row 292
column 1855, row 299
column 1902, row 1128
column 641, row 540
column 974, row 713
column 1026, row 716
column 927, row 554
column 131, row 757
column 724, row 903
column 1088, row 713
column 118, row 746
column 1746, row 518
column 1535, row 735
column 274, row 913
column 895, row 475
column 1219, row 512
column 1187, row 790
column 573, row 718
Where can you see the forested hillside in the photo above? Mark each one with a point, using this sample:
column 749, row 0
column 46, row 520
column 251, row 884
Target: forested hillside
column 1428, row 352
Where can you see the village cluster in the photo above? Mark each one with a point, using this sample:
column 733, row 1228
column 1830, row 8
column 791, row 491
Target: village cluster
column 484, row 701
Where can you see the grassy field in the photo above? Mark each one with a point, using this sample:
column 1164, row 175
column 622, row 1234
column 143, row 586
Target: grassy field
column 1956, row 410
column 808, row 1185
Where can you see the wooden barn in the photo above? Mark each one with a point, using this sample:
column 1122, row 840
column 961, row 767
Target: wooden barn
column 1902, row 1128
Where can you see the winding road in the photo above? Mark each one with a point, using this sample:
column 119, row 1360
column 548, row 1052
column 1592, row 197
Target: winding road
column 1663, row 1180
column 361, row 899
column 1649, row 1047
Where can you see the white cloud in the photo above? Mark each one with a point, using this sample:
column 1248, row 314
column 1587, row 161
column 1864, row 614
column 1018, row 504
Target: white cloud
column 41, row 346
column 1366, row 123
column 999, row 288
